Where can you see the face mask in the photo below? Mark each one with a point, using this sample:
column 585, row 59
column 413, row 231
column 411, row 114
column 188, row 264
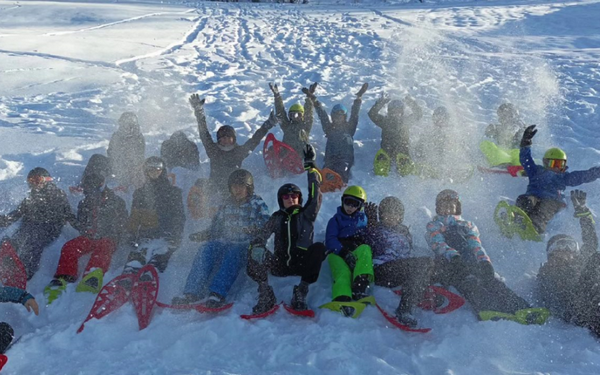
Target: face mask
column 226, row 148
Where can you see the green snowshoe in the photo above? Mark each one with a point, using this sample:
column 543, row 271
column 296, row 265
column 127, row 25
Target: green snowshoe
column 54, row 290
column 92, row 282
column 382, row 163
column 536, row 315
column 351, row 309
column 513, row 220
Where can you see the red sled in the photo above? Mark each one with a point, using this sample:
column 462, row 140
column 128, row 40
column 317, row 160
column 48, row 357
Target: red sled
column 280, row 158
column 112, row 296
column 513, row 170
column 12, row 270
column 259, row 316
column 144, row 293
column 452, row 301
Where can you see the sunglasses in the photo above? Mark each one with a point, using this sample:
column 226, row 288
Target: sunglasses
column 295, row 115
column 290, row 196
column 352, row 202
column 557, row 164
column 38, row 180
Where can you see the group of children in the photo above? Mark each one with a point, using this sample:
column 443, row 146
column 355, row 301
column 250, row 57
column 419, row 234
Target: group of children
column 365, row 243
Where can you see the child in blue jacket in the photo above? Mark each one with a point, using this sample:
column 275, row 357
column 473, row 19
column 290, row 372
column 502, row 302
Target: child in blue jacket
column 547, row 183
column 15, row 295
column 237, row 222
column 349, row 258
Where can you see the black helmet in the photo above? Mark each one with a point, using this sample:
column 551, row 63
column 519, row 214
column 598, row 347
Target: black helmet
column 241, row 177
column 391, row 205
column 154, row 163
column 447, row 195
column 226, row 131
column 287, row 189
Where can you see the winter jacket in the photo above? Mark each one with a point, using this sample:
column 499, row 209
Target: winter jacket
column 545, row 183
column 450, row 236
column 435, row 148
column 15, row 295
column 507, row 136
column 179, row 151
column 562, row 286
column 395, row 131
column 47, row 205
column 295, row 134
column 340, row 140
column 235, row 222
column 388, row 243
column 101, row 215
column 223, row 162
column 126, row 151
column 293, row 227
column 343, row 231
column 157, row 212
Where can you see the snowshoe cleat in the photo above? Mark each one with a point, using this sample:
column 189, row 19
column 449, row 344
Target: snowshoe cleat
column 92, row 282
column 55, row 289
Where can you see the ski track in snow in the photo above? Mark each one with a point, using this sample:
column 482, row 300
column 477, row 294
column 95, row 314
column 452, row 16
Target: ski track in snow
column 470, row 57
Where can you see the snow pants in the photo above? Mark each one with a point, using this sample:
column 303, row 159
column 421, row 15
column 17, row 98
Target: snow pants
column 305, row 263
column 30, row 240
column 6, row 336
column 343, row 276
column 587, row 299
column 539, row 210
column 491, row 294
column 229, row 257
column 101, row 249
column 339, row 156
column 412, row 274
column 155, row 252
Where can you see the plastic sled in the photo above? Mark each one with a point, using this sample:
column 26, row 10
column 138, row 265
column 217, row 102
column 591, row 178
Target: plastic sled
column 397, row 324
column 332, row 181
column 12, row 270
column 382, row 163
column 281, row 158
column 512, row 220
column 513, row 170
column 144, row 293
column 111, row 297
column 499, row 156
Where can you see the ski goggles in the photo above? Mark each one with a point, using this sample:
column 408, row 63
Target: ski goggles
column 38, row 180
column 564, row 244
column 295, row 115
column 290, row 196
column 352, row 202
column 560, row 164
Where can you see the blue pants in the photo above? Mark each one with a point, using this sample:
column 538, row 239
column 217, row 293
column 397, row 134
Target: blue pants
column 231, row 257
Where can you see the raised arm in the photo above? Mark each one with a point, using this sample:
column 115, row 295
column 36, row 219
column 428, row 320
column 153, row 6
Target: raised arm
column 374, row 115
column 525, row 152
column 198, row 106
column 279, row 107
column 354, row 112
column 251, row 144
column 586, row 221
column 324, row 117
column 581, row 177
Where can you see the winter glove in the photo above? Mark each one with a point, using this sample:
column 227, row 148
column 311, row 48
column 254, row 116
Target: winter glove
column 272, row 121
column 257, row 253
column 384, row 99
column 161, row 261
column 310, row 156
column 350, row 260
column 371, row 210
column 530, row 131
column 362, row 90
column 486, row 271
column 578, row 197
column 196, row 102
column 310, row 92
column 274, row 89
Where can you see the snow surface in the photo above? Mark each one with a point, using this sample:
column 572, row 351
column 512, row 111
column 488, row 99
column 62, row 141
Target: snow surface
column 69, row 69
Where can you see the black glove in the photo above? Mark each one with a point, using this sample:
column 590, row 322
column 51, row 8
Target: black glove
column 350, row 260
column 310, row 92
column 578, row 197
column 362, row 90
column 196, row 102
column 310, row 156
column 274, row 89
column 384, row 99
column 161, row 261
column 486, row 271
column 371, row 210
column 272, row 121
column 530, row 131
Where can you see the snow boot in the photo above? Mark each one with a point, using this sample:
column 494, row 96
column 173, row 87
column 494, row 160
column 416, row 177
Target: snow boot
column 360, row 287
column 404, row 316
column 92, row 282
column 298, row 302
column 266, row 300
column 55, row 289
column 215, row 301
column 6, row 336
column 186, row 299
column 347, row 311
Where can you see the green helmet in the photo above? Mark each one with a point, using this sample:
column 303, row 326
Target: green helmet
column 356, row 192
column 297, row 108
column 555, row 153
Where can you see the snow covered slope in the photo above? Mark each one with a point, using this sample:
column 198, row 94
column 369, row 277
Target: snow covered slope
column 69, row 69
